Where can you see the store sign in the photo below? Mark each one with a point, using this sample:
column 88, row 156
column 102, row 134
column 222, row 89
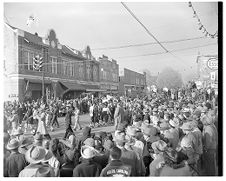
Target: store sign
column 212, row 63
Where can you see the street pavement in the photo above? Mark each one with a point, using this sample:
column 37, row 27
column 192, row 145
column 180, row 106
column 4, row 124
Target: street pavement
column 84, row 121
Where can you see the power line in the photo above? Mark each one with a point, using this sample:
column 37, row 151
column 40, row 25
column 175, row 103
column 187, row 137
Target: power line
column 143, row 26
column 177, row 58
column 159, row 53
column 145, row 44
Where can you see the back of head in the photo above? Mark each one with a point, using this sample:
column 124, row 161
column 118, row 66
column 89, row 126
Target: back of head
column 115, row 153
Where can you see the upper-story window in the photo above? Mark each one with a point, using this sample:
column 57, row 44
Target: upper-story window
column 53, row 61
column 27, row 59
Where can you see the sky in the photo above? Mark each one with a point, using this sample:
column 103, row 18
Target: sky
column 104, row 25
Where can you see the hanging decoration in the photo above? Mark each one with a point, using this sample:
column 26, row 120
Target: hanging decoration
column 201, row 26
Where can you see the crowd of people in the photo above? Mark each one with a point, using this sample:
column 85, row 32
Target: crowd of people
column 163, row 134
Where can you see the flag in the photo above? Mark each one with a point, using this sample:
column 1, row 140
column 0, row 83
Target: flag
column 30, row 20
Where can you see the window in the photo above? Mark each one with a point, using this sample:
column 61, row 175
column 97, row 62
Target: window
column 27, row 59
column 53, row 61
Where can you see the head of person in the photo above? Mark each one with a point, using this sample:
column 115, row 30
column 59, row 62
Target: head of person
column 115, row 153
column 38, row 139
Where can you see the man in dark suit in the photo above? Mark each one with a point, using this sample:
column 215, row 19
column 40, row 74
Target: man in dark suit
column 69, row 113
column 55, row 115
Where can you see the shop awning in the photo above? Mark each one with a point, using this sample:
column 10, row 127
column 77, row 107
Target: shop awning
column 93, row 88
column 38, row 81
column 73, row 86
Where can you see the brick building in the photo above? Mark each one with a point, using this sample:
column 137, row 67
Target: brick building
column 67, row 72
column 109, row 75
column 132, row 83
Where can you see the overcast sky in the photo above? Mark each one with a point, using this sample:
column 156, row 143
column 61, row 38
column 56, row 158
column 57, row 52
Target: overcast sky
column 103, row 25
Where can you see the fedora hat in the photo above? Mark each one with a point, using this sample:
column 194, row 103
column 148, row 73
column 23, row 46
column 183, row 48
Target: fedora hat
column 150, row 131
column 188, row 126
column 159, row 146
column 17, row 132
column 164, row 126
column 88, row 152
column 131, row 130
column 13, row 144
column 37, row 154
column 174, row 122
column 25, row 142
column 89, row 142
column 44, row 171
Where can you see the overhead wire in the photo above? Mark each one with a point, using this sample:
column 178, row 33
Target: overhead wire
column 146, row 44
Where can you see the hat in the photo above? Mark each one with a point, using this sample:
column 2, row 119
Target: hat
column 43, row 171
column 155, row 109
column 108, row 144
column 185, row 110
column 186, row 142
column 164, row 126
column 137, row 124
column 131, row 130
column 204, row 110
column 150, row 131
column 70, row 154
column 187, row 126
column 159, row 146
column 87, row 152
column 25, row 142
column 197, row 113
column 17, row 132
column 37, row 154
column 13, row 144
column 175, row 122
column 89, row 142
column 38, row 136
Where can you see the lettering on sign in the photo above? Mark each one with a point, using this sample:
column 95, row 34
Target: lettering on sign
column 212, row 63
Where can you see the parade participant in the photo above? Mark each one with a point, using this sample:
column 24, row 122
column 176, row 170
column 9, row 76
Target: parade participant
column 77, row 122
column 41, row 123
column 28, row 117
column 16, row 161
column 105, row 113
column 36, row 156
column 68, row 123
column 210, row 142
column 87, row 168
column 116, row 167
column 55, row 114
column 35, row 118
column 119, row 114
column 13, row 120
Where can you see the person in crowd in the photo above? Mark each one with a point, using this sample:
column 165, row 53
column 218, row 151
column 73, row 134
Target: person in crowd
column 37, row 157
column 55, row 114
column 119, row 115
column 16, row 161
column 116, row 167
column 87, row 167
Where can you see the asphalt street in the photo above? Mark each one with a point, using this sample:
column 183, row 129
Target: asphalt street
column 84, row 121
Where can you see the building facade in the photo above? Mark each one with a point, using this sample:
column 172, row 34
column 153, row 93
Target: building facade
column 207, row 70
column 109, row 75
column 66, row 72
column 132, row 83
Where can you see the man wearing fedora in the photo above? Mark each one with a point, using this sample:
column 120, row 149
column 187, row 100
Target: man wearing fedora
column 16, row 161
column 87, row 168
column 37, row 157
column 68, row 122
